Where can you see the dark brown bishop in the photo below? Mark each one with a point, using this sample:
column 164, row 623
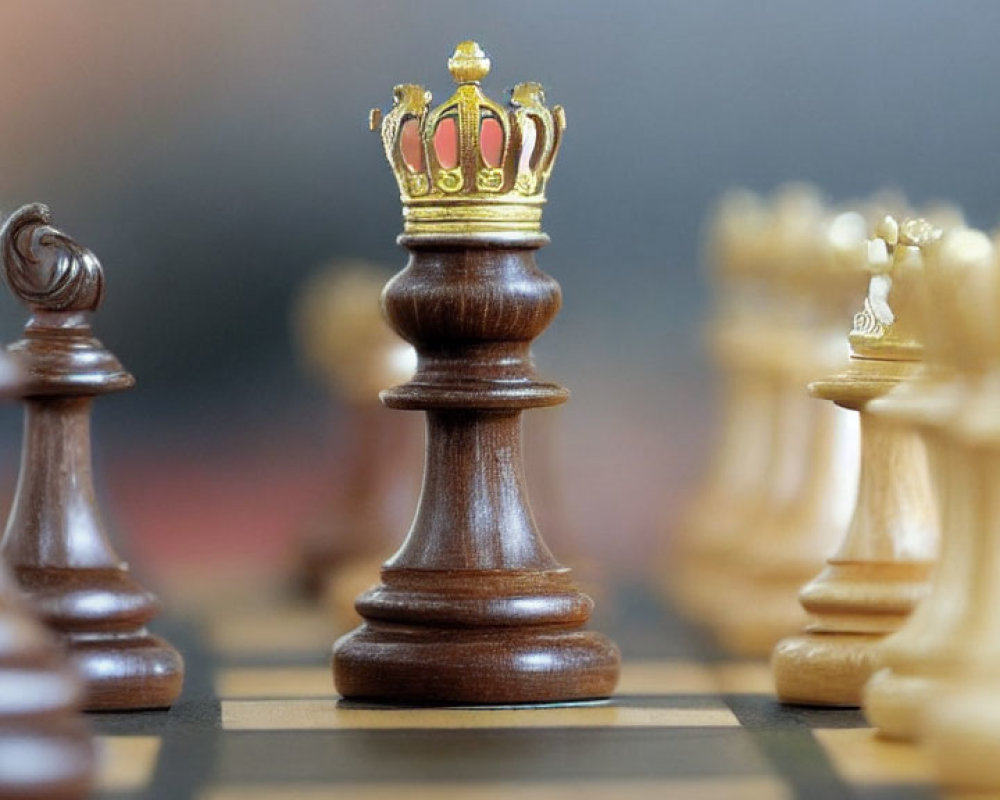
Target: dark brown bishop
column 56, row 542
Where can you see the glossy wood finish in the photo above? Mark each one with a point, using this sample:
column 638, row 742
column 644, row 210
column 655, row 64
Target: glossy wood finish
column 962, row 343
column 56, row 542
column 46, row 751
column 881, row 570
column 45, row 746
column 879, row 574
column 473, row 609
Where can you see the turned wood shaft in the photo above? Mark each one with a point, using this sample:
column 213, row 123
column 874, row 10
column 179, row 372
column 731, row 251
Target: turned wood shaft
column 56, row 463
column 473, row 512
column 895, row 518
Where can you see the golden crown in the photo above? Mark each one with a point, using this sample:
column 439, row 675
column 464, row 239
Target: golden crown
column 471, row 167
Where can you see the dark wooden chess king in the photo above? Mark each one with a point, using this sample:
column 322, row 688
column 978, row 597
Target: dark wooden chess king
column 473, row 609
column 55, row 540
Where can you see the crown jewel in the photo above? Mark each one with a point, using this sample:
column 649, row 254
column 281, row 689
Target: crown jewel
column 471, row 167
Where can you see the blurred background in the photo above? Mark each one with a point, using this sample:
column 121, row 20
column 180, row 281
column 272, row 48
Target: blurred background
column 214, row 153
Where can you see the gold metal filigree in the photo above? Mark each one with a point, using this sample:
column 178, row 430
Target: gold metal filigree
column 473, row 196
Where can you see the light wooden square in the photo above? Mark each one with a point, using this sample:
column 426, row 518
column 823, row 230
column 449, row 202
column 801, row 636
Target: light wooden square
column 748, row 788
column 860, row 757
column 325, row 714
column 126, row 763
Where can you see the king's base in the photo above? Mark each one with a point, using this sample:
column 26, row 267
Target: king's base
column 56, row 760
column 493, row 666
column 963, row 739
column 824, row 669
column 896, row 703
column 127, row 671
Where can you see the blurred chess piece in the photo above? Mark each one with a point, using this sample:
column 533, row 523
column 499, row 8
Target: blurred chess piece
column 46, row 751
column 731, row 491
column 960, row 723
column 812, row 475
column 957, row 312
column 880, row 572
column 543, row 474
column 56, row 543
column 351, row 348
column 782, row 488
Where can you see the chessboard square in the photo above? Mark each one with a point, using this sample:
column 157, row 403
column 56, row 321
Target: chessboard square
column 861, row 757
column 323, row 714
column 126, row 763
column 752, row 788
column 486, row 756
column 667, row 677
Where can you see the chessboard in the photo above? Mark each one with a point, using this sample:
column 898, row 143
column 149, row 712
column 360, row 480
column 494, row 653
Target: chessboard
column 259, row 720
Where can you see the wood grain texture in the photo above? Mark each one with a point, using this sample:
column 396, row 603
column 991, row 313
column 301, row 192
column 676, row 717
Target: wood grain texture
column 45, row 746
column 963, row 342
column 960, row 713
column 881, row 570
column 56, row 542
column 473, row 609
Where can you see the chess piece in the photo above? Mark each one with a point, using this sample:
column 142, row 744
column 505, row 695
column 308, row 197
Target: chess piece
column 473, row 609
column 870, row 586
column 738, row 468
column 812, row 477
column 960, row 724
column 349, row 345
column 544, row 480
column 783, row 491
column 46, row 751
column 958, row 303
column 55, row 541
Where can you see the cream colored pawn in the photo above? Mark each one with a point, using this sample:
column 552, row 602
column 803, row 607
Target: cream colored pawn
column 961, row 720
column 961, row 282
column 880, row 572
column 816, row 481
column 735, row 484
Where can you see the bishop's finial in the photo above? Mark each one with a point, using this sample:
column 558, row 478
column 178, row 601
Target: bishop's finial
column 45, row 268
